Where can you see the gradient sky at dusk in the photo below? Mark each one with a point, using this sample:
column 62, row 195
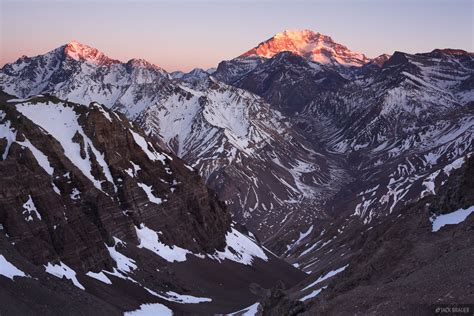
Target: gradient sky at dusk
column 186, row 34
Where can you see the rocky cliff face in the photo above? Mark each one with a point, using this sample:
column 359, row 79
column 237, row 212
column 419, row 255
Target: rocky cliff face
column 89, row 197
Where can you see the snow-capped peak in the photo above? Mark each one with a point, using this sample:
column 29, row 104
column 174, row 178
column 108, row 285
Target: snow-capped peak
column 82, row 52
column 300, row 35
column 309, row 44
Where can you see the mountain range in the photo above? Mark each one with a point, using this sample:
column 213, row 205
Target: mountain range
column 325, row 155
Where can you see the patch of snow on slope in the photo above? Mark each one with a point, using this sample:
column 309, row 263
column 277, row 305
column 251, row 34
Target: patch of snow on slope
column 124, row 263
column 41, row 158
column 178, row 298
column 248, row 311
column 312, row 294
column 149, row 240
column 325, row 277
column 148, row 190
column 62, row 270
column 240, row 249
column 456, row 164
column 9, row 270
column 30, row 208
column 176, row 118
column 155, row 309
column 152, row 155
column 303, row 235
column 99, row 276
column 187, row 299
column 452, row 218
column 429, row 184
column 8, row 133
column 75, row 194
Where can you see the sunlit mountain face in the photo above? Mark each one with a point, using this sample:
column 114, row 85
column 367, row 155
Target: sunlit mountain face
column 297, row 178
column 311, row 45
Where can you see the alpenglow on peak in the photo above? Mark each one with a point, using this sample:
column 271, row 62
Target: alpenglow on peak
column 309, row 44
column 79, row 51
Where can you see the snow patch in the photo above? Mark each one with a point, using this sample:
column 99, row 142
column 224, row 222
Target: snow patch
column 41, row 158
column 187, row 299
column 62, row 270
column 149, row 240
column 7, row 132
column 155, row 309
column 30, row 208
column 312, row 294
column 75, row 194
column 148, row 190
column 452, row 218
column 302, row 236
column 124, row 263
column 456, row 164
column 248, row 311
column 240, row 249
column 328, row 275
column 99, row 276
column 9, row 270
column 152, row 155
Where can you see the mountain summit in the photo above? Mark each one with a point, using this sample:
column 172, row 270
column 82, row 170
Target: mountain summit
column 309, row 44
column 79, row 51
